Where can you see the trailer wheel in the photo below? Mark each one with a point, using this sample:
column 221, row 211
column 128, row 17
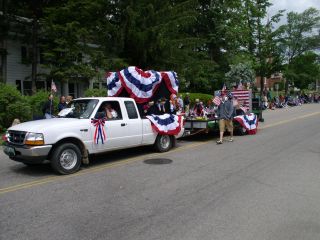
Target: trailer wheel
column 242, row 131
column 163, row 143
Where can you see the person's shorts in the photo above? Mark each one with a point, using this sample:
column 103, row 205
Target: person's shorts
column 223, row 124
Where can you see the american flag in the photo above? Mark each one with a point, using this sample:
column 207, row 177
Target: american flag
column 217, row 101
column 53, row 86
column 243, row 97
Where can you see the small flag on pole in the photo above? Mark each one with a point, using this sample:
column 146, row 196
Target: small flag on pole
column 217, row 101
column 53, row 87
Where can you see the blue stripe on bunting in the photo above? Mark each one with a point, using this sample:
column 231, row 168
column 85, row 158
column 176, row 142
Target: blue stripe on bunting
column 175, row 79
column 137, row 83
column 112, row 84
column 165, row 121
column 250, row 122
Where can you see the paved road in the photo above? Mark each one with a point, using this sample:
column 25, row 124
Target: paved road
column 259, row 187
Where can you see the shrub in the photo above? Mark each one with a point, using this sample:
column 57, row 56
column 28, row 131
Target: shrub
column 96, row 92
column 37, row 100
column 8, row 96
column 201, row 96
column 20, row 110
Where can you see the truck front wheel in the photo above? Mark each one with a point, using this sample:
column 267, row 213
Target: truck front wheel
column 66, row 158
column 163, row 143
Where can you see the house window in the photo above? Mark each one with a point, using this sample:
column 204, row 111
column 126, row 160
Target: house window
column 18, row 85
column 71, row 87
column 40, row 85
column 27, row 88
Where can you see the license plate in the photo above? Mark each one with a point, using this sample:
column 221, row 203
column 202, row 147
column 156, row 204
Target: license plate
column 10, row 151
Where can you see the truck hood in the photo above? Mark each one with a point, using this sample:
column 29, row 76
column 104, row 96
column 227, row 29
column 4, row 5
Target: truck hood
column 44, row 125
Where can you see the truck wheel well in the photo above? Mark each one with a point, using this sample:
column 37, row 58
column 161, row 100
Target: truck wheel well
column 73, row 140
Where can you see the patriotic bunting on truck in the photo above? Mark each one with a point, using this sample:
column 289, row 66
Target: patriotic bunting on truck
column 141, row 85
column 168, row 124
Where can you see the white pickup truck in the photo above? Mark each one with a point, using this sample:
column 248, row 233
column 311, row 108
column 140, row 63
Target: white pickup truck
column 68, row 140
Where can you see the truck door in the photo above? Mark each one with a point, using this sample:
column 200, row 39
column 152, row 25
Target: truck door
column 133, row 127
column 113, row 132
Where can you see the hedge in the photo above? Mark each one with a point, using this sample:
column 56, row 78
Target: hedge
column 25, row 108
column 201, row 96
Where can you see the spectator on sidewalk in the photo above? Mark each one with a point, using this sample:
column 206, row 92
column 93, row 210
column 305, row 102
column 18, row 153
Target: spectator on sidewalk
column 62, row 104
column 69, row 99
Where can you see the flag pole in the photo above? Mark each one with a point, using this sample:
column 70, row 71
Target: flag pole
column 50, row 97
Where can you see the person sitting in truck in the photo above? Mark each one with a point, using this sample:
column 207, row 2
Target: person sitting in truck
column 110, row 112
column 160, row 106
column 149, row 109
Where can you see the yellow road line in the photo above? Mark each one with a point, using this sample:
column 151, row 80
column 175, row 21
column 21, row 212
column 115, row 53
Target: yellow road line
column 289, row 120
column 126, row 161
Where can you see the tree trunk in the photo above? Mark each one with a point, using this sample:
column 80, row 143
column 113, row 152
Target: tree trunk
column 34, row 54
column 3, row 47
column 286, row 87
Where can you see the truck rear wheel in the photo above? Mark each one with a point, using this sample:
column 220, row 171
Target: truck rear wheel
column 163, row 143
column 66, row 158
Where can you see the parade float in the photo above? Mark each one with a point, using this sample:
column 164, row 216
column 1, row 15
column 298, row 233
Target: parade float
column 245, row 120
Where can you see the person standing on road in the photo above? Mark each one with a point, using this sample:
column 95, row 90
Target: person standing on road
column 48, row 107
column 225, row 115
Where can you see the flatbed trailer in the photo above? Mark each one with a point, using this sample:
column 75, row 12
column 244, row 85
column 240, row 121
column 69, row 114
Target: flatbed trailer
column 195, row 126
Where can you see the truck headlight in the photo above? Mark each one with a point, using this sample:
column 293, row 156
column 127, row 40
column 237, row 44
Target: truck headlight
column 34, row 139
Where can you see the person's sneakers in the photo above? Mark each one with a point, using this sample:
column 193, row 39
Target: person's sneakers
column 230, row 140
column 219, row 142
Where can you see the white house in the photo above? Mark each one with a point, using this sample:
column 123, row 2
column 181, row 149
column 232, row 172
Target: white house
column 16, row 71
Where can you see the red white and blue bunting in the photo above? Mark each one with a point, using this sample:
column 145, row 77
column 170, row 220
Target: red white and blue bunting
column 113, row 84
column 141, row 85
column 99, row 132
column 167, row 124
column 249, row 122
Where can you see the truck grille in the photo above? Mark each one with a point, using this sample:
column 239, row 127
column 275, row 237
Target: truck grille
column 17, row 137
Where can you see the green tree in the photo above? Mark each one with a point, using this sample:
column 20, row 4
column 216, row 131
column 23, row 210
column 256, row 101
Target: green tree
column 76, row 34
column 304, row 70
column 161, row 34
column 261, row 37
column 298, row 36
column 242, row 72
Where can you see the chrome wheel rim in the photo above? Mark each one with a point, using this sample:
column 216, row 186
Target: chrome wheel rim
column 68, row 159
column 165, row 141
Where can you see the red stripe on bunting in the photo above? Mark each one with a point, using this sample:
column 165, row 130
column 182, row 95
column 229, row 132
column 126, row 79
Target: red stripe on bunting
column 132, row 95
column 167, row 81
column 170, row 132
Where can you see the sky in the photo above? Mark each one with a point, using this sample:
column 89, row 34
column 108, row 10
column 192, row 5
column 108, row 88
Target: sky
column 292, row 5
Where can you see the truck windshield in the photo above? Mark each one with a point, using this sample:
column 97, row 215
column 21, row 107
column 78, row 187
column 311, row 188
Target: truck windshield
column 81, row 108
